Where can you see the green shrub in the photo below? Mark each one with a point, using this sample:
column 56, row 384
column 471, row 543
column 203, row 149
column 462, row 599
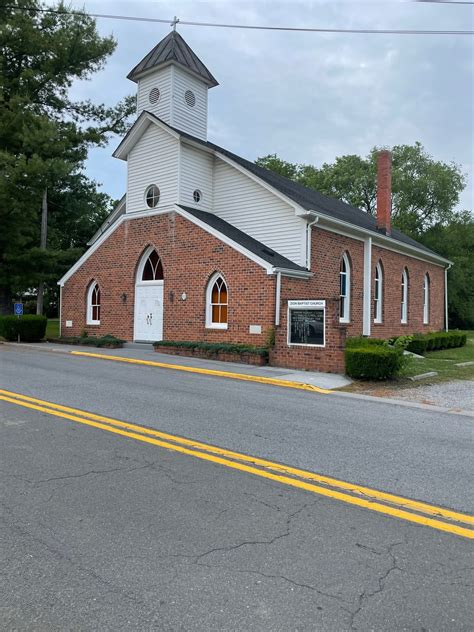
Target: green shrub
column 363, row 341
column 91, row 341
column 213, row 347
column 30, row 328
column 418, row 345
column 373, row 362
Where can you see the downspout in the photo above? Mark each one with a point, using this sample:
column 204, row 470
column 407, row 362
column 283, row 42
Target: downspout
column 60, row 308
column 310, row 224
column 446, row 327
column 277, row 299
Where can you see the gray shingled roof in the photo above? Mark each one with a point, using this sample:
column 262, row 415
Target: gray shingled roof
column 173, row 48
column 310, row 199
column 264, row 252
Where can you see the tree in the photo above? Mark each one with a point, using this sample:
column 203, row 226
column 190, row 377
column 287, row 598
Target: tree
column 456, row 242
column 425, row 191
column 45, row 137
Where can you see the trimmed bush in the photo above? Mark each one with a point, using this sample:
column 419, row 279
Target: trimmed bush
column 213, row 347
column 91, row 341
column 418, row 345
column 373, row 362
column 435, row 341
column 363, row 341
column 30, row 328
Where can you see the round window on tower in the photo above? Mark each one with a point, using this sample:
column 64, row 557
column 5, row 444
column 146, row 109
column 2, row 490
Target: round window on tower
column 197, row 196
column 154, row 95
column 152, row 196
column 190, row 98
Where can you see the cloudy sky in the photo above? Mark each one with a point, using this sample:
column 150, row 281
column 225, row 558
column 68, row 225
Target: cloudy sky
column 308, row 97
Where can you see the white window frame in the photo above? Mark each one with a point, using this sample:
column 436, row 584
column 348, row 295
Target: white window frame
column 426, row 299
column 345, row 315
column 90, row 305
column 378, row 295
column 209, row 323
column 404, row 299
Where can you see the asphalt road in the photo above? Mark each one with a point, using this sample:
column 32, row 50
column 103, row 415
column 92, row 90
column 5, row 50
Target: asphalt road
column 102, row 532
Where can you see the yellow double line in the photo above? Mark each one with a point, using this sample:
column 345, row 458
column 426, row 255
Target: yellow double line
column 414, row 511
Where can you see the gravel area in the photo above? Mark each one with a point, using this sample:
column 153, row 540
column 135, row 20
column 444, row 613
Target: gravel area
column 459, row 394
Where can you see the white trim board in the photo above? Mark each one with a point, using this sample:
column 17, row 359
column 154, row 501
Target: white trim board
column 270, row 269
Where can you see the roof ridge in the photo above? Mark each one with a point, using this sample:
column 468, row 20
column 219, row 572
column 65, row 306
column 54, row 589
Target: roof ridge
column 173, row 48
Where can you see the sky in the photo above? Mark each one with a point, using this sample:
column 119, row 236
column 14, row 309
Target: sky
column 308, row 97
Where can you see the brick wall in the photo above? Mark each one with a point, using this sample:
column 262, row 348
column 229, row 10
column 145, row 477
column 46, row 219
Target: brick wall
column 326, row 252
column 392, row 265
column 190, row 256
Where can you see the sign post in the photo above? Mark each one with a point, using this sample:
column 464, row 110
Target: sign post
column 18, row 311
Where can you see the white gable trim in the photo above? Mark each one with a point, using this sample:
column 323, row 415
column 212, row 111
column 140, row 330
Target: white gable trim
column 136, row 132
column 270, row 269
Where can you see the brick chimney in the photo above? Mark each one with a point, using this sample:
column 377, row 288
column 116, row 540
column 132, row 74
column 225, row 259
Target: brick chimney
column 384, row 190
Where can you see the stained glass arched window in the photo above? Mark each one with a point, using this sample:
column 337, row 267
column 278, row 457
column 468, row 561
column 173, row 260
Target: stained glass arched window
column 217, row 303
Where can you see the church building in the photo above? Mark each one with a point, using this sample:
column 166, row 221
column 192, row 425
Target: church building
column 207, row 246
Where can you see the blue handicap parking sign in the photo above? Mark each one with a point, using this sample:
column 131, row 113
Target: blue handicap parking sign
column 18, row 309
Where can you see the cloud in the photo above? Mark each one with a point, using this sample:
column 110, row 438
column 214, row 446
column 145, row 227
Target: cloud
column 309, row 97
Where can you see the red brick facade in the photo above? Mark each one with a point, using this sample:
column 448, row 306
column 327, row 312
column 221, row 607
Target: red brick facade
column 191, row 255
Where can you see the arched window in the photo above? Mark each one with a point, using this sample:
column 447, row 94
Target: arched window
column 378, row 294
column 216, row 303
column 152, row 269
column 426, row 299
column 93, row 304
column 345, row 289
column 404, row 298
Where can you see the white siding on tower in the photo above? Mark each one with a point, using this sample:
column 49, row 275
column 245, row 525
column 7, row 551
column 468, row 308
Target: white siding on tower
column 189, row 119
column 258, row 212
column 161, row 79
column 153, row 160
column 196, row 173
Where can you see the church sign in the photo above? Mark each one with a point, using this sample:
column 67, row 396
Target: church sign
column 306, row 323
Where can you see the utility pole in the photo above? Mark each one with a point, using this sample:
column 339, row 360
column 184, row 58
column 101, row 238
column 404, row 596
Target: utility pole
column 43, row 239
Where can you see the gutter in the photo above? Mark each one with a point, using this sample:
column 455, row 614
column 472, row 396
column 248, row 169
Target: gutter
column 433, row 258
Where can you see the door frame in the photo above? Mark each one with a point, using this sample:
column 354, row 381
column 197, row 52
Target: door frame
column 139, row 283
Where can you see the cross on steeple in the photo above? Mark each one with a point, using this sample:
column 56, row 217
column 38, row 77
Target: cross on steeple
column 174, row 23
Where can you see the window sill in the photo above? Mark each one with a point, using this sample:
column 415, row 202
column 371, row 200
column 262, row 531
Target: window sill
column 344, row 321
column 217, row 326
column 378, row 322
column 93, row 323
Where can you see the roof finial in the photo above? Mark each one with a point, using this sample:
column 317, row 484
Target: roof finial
column 174, row 23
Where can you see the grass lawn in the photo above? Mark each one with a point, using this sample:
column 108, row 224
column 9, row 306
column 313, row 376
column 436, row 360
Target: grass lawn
column 52, row 328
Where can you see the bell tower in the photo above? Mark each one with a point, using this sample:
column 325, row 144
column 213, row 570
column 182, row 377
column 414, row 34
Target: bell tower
column 173, row 84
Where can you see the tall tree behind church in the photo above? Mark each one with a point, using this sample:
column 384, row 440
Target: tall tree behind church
column 44, row 140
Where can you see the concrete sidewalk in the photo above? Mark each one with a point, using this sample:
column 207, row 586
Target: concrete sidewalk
column 146, row 352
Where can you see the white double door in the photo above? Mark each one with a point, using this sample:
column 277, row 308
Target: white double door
column 148, row 312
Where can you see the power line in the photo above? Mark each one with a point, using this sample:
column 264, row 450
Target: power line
column 247, row 26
